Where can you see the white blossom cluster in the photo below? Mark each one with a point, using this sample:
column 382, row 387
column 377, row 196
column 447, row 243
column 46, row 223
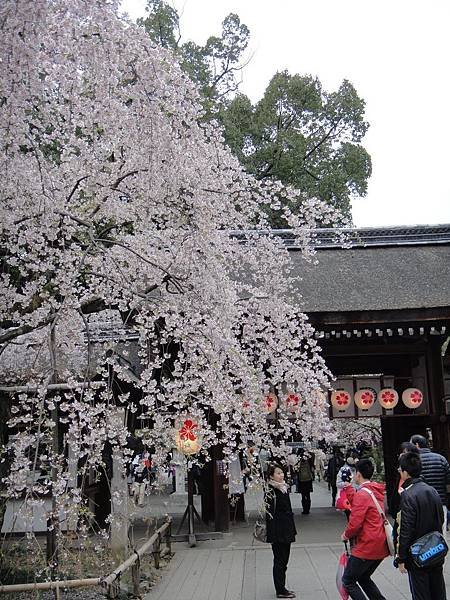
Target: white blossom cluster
column 115, row 196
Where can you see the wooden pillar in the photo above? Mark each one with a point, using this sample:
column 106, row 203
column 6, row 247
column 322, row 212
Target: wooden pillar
column 396, row 430
column 440, row 425
column 207, row 492
column 221, row 506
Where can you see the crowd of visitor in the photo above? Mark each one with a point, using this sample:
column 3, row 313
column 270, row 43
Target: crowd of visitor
column 417, row 540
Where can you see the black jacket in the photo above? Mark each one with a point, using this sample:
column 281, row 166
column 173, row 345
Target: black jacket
column 334, row 464
column 420, row 512
column 435, row 471
column 279, row 517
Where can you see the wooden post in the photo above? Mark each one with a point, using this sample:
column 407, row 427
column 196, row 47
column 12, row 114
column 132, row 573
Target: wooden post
column 168, row 536
column 157, row 551
column 119, row 499
column 136, row 577
column 113, row 589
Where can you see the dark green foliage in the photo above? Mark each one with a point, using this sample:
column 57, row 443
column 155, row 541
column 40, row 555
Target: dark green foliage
column 297, row 133
column 212, row 66
column 303, row 136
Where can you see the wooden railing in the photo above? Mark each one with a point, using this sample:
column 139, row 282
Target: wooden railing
column 111, row 583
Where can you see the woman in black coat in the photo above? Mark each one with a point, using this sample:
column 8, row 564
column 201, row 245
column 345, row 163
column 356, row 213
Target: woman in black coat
column 280, row 526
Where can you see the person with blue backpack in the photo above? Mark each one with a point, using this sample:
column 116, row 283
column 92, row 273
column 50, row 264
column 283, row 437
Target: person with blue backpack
column 421, row 546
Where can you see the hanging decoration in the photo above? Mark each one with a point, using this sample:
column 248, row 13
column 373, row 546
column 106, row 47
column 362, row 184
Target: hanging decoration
column 412, row 397
column 187, row 438
column 292, row 402
column 340, row 399
column 388, row 398
column 269, row 403
column 365, row 398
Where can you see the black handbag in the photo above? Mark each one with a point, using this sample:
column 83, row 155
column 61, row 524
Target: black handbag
column 429, row 551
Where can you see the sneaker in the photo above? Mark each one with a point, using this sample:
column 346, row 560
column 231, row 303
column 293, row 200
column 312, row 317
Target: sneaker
column 286, row 594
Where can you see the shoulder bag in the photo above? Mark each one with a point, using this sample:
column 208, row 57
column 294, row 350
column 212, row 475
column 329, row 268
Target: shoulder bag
column 387, row 525
column 260, row 528
column 429, row 550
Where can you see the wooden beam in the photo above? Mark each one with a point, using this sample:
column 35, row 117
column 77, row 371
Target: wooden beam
column 412, row 315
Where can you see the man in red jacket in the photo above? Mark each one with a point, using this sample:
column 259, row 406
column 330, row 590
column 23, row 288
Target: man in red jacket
column 367, row 529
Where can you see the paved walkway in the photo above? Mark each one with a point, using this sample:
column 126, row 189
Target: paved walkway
column 240, row 568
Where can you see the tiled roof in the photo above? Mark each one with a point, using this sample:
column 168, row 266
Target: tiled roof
column 384, row 269
column 370, row 236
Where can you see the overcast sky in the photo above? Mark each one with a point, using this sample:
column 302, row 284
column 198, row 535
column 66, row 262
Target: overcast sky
column 396, row 54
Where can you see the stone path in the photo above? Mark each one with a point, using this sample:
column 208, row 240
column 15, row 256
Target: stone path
column 246, row 574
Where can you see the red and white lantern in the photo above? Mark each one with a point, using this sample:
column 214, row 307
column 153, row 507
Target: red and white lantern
column 187, row 437
column 269, row 403
column 340, row 399
column 292, row 402
column 365, row 398
column 412, row 397
column 388, row 398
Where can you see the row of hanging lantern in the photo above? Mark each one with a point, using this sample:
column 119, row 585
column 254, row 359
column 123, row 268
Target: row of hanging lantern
column 188, row 439
column 270, row 402
column 291, row 402
column 365, row 398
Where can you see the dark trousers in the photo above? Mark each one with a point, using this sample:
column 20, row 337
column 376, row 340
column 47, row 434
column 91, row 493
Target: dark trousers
column 357, row 578
column 306, row 502
column 280, row 561
column 427, row 584
column 333, row 492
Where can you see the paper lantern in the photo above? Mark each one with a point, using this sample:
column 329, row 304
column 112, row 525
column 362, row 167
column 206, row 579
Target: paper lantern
column 292, row 402
column 412, row 397
column 269, row 403
column 388, row 398
column 340, row 399
column 187, row 437
column 365, row 398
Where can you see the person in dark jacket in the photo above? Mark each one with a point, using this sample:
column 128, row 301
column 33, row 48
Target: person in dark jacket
column 334, row 464
column 280, row 526
column 305, row 476
column 421, row 512
column 435, row 470
column 398, row 489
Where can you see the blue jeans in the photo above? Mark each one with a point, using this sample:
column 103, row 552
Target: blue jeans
column 357, row 578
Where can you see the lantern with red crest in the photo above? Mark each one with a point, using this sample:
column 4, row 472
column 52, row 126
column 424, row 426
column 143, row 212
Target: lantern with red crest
column 388, row 398
column 365, row 398
column 292, row 402
column 412, row 397
column 269, row 403
column 340, row 399
column 187, row 436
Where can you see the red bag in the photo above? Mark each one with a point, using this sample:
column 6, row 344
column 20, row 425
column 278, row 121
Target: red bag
column 343, row 560
column 342, row 502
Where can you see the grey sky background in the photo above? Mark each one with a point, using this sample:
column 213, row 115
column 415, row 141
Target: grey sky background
column 395, row 52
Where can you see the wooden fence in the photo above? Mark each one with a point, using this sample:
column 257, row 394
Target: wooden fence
column 111, row 583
